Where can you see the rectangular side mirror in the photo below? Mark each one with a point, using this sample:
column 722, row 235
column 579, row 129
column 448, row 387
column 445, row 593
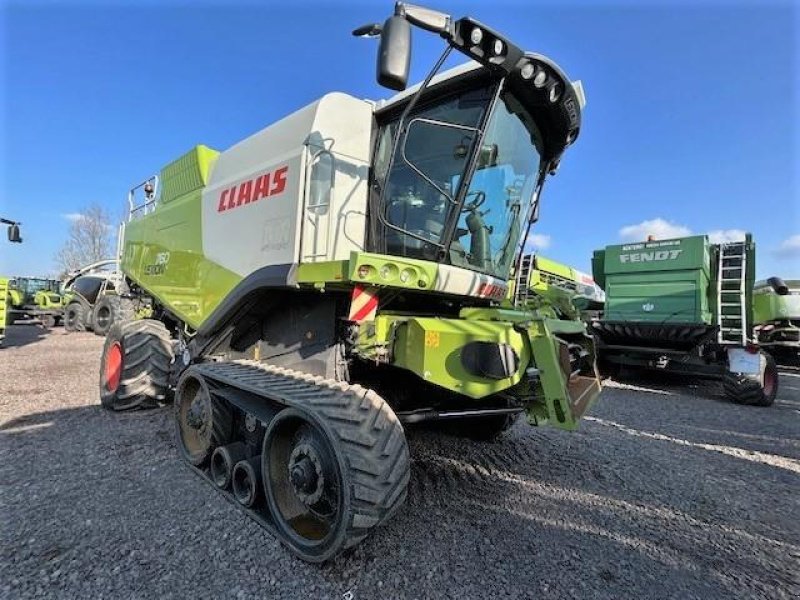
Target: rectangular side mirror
column 394, row 53
column 13, row 234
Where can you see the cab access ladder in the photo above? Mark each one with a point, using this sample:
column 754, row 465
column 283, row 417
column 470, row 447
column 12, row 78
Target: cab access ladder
column 523, row 281
column 731, row 294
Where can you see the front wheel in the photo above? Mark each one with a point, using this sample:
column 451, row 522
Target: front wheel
column 75, row 317
column 761, row 391
column 110, row 310
column 134, row 369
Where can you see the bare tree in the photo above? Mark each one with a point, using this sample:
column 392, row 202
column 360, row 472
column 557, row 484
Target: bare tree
column 90, row 239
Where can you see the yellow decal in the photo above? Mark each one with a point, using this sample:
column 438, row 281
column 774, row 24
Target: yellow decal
column 431, row 339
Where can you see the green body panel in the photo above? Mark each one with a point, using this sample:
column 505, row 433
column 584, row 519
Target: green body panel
column 187, row 174
column 164, row 250
column 48, row 300
column 665, row 281
column 769, row 306
column 431, row 348
column 15, row 298
column 554, row 285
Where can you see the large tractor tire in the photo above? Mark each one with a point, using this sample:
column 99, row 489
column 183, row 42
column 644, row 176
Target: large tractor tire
column 75, row 317
column 134, row 369
column 742, row 389
column 110, row 310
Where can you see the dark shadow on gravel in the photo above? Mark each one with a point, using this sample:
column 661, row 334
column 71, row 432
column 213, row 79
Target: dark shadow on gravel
column 98, row 503
column 23, row 335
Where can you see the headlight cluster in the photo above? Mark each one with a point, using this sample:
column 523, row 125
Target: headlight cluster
column 392, row 274
column 539, row 77
column 485, row 46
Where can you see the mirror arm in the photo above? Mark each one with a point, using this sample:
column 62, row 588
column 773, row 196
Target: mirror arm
column 425, row 18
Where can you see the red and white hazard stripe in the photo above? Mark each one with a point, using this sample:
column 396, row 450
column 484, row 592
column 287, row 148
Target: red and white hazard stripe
column 363, row 304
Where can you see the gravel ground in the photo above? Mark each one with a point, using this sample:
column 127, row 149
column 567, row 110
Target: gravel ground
column 666, row 491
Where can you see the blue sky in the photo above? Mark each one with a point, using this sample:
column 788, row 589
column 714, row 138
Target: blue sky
column 691, row 122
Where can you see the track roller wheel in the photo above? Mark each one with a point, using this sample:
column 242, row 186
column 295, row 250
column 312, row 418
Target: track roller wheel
column 762, row 391
column 202, row 423
column 134, row 368
column 246, row 480
column 223, row 459
column 333, row 471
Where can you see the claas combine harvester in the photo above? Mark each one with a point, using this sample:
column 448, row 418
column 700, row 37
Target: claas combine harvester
column 776, row 314
column 343, row 273
column 684, row 306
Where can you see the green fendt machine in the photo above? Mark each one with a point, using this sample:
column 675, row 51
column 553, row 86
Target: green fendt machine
column 34, row 298
column 343, row 273
column 776, row 314
column 686, row 306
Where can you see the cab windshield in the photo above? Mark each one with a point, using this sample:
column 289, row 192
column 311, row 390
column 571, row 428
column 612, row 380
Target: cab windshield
column 421, row 202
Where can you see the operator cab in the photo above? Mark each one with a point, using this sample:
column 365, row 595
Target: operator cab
column 459, row 161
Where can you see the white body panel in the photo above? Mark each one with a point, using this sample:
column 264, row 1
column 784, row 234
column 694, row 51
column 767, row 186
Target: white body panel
column 254, row 209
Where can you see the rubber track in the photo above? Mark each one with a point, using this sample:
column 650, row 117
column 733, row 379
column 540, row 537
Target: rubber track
column 368, row 431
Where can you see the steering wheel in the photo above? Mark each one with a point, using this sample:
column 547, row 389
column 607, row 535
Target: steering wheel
column 480, row 198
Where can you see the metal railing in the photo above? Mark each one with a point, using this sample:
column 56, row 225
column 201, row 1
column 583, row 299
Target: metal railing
column 149, row 188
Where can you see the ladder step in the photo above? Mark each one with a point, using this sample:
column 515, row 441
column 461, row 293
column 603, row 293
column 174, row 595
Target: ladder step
column 736, row 304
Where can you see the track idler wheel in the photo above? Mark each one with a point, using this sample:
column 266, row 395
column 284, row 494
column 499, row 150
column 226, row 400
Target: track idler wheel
column 223, row 460
column 202, row 422
column 246, row 480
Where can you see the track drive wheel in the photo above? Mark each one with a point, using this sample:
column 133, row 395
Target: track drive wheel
column 134, row 368
column 333, row 470
column 742, row 389
column 201, row 422
column 75, row 317
column 109, row 310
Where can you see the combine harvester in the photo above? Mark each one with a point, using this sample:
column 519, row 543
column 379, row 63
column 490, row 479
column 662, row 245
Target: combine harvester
column 776, row 314
column 541, row 282
column 344, row 272
column 684, row 306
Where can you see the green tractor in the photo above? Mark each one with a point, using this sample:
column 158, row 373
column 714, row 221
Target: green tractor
column 343, row 274
column 34, row 299
column 776, row 315
column 685, row 306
